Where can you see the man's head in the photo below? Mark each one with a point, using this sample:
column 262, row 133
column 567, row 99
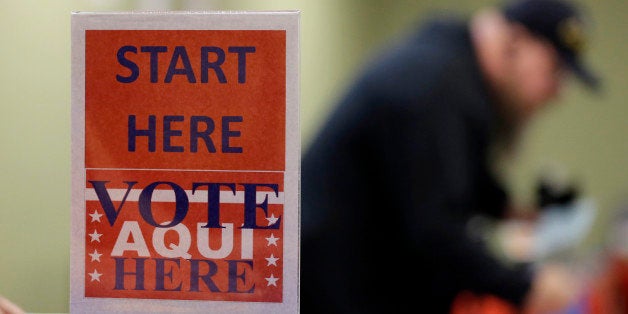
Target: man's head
column 559, row 22
column 526, row 49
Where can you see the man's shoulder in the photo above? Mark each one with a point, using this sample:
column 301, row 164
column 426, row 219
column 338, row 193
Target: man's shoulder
column 423, row 59
column 432, row 42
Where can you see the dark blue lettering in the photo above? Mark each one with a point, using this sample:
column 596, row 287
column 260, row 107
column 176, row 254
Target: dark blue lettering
column 250, row 205
column 242, row 51
column 195, row 134
column 154, row 52
column 120, row 273
column 195, row 275
column 181, row 204
column 211, row 58
column 135, row 70
column 168, row 133
column 160, row 274
column 234, row 276
column 206, row 64
column 182, row 54
column 133, row 133
column 228, row 133
column 105, row 199
column 213, row 201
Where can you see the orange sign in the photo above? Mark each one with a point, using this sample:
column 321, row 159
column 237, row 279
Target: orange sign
column 185, row 99
column 185, row 162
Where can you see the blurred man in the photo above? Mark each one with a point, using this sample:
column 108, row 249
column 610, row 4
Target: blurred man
column 391, row 180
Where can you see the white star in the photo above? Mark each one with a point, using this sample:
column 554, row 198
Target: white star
column 96, row 276
column 272, row 281
column 95, row 256
column 95, row 216
column 272, row 260
column 95, row 236
column 272, row 240
column 272, row 219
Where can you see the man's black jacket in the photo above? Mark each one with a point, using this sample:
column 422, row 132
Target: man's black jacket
column 389, row 182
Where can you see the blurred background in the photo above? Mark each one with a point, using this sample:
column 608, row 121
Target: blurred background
column 584, row 134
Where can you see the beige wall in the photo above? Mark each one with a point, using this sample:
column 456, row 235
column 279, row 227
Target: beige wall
column 585, row 134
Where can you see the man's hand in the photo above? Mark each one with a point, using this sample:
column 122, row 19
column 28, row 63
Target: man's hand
column 553, row 290
column 8, row 307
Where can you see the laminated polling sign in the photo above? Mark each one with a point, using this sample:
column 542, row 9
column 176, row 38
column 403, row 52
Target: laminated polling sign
column 185, row 162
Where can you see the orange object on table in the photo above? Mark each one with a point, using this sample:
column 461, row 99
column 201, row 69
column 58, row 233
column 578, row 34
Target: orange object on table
column 470, row 303
column 609, row 293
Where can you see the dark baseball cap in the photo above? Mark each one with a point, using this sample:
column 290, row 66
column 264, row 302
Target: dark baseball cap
column 561, row 23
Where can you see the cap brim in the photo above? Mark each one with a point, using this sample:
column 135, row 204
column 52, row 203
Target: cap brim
column 583, row 73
